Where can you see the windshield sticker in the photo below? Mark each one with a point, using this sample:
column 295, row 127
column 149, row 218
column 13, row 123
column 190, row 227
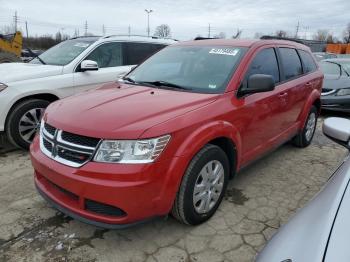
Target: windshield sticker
column 212, row 86
column 224, row 51
column 83, row 45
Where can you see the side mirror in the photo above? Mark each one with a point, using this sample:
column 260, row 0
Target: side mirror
column 258, row 83
column 88, row 65
column 337, row 129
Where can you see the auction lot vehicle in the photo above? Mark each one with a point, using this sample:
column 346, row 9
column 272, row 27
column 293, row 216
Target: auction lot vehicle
column 320, row 231
column 170, row 135
column 323, row 55
column 73, row 66
column 336, row 85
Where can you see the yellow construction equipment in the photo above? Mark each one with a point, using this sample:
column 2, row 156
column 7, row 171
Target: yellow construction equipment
column 11, row 47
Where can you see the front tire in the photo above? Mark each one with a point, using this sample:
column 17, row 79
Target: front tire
column 23, row 122
column 203, row 186
column 305, row 136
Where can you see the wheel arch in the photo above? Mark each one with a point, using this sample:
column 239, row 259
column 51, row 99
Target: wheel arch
column 313, row 99
column 44, row 96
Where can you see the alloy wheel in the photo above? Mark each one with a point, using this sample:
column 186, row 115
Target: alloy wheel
column 208, row 186
column 29, row 124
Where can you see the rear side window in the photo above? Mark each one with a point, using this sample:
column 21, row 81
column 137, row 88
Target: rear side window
column 308, row 62
column 290, row 62
column 135, row 53
column 265, row 62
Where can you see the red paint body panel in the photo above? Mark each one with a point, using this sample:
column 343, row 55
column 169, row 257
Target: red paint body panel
column 255, row 124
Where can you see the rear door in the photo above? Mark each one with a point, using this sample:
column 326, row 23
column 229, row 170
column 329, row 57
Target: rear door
column 293, row 88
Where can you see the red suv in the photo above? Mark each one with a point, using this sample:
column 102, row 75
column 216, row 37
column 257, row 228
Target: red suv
column 170, row 135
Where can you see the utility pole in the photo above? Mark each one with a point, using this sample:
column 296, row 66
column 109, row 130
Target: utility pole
column 15, row 20
column 27, row 29
column 129, row 30
column 209, row 31
column 297, row 31
column 103, row 30
column 148, row 11
column 86, row 28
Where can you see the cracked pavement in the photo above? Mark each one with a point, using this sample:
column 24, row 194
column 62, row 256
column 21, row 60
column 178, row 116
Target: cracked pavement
column 258, row 201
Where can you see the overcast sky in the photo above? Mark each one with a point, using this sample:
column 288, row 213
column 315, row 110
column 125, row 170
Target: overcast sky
column 187, row 19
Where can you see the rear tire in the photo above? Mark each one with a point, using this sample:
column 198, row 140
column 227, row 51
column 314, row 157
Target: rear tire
column 305, row 136
column 24, row 121
column 6, row 57
column 203, row 186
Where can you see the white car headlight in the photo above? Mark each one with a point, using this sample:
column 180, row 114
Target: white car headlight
column 131, row 151
column 343, row 92
column 2, row 86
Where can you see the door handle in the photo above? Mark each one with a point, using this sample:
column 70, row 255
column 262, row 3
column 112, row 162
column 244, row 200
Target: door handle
column 284, row 94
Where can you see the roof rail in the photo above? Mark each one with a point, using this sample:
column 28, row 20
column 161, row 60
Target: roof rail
column 270, row 37
column 204, row 38
column 151, row 37
column 82, row 36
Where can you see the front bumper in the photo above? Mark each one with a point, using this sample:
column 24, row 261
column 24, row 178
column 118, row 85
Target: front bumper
column 139, row 192
column 336, row 103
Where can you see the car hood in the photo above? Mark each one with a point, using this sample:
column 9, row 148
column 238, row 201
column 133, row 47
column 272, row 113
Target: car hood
column 305, row 236
column 336, row 82
column 122, row 112
column 13, row 72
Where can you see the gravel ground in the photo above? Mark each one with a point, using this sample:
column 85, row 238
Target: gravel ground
column 258, row 201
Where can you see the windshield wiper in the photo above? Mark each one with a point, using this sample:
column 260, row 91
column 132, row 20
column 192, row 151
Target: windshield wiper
column 129, row 79
column 35, row 56
column 159, row 83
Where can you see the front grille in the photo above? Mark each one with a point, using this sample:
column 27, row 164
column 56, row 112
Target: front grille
column 47, row 145
column 103, row 209
column 73, row 156
column 50, row 129
column 67, row 148
column 80, row 140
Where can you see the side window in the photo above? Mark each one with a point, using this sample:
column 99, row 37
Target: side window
column 135, row 53
column 107, row 55
column 265, row 62
column 308, row 62
column 290, row 62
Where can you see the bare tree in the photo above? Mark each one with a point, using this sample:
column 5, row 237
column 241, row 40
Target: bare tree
column 237, row 34
column 163, row 31
column 346, row 34
column 221, row 35
column 321, row 35
column 6, row 29
column 331, row 39
column 281, row 33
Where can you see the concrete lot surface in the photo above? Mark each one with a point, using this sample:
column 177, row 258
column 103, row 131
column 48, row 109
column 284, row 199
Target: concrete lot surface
column 258, row 201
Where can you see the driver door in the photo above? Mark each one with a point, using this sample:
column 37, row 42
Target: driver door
column 109, row 57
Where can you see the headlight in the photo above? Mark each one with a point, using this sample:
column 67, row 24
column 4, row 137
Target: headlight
column 2, row 86
column 131, row 151
column 343, row 92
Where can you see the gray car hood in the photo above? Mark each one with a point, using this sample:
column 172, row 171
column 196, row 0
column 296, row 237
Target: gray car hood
column 336, row 82
column 305, row 236
column 13, row 72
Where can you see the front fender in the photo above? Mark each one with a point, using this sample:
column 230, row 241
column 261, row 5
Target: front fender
column 201, row 136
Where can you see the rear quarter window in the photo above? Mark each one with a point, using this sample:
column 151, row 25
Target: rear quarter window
column 291, row 63
column 308, row 62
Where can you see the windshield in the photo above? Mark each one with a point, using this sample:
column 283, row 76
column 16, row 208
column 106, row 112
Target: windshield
column 63, row 53
column 330, row 68
column 205, row 69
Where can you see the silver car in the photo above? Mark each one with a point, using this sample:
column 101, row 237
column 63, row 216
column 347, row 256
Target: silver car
column 321, row 230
